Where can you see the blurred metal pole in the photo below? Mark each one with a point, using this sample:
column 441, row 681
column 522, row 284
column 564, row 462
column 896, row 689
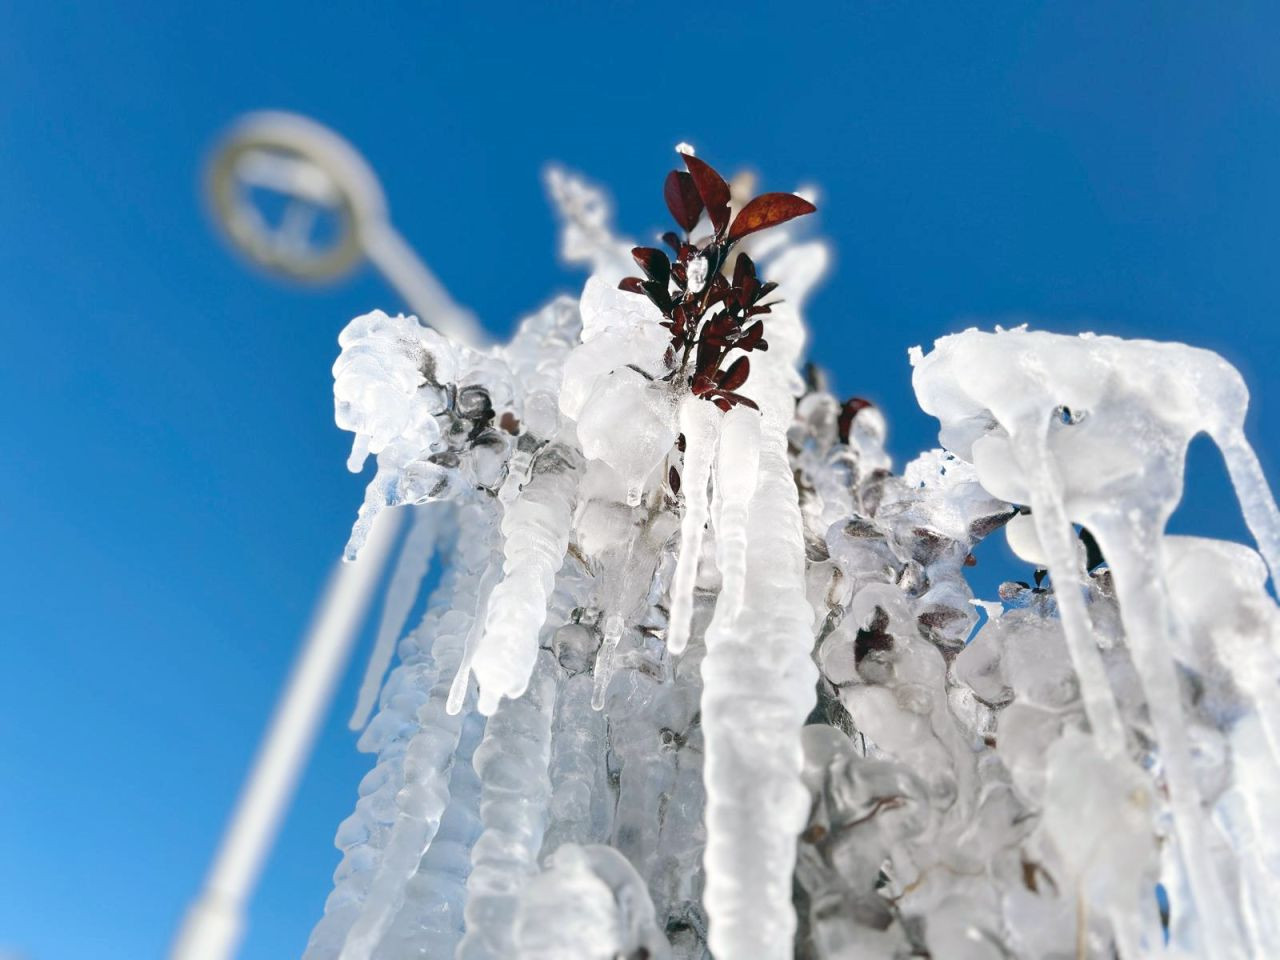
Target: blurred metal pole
column 215, row 923
column 317, row 172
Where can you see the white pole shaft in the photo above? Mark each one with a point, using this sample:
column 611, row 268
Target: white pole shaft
column 214, row 924
column 426, row 295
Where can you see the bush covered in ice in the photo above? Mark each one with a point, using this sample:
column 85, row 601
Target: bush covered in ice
column 703, row 676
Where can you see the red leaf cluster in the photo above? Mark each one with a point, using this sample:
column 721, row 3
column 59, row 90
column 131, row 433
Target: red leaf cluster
column 708, row 313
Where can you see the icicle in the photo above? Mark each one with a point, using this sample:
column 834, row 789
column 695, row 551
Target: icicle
column 536, row 527
column 489, row 581
column 421, row 803
column 576, row 771
column 1144, row 607
column 426, row 764
column 758, row 687
column 698, row 422
column 363, row 835
column 430, row 923
column 604, row 666
column 1256, row 499
column 1058, row 538
column 512, row 763
column 643, row 764
column 415, row 558
column 1102, row 412
column 735, row 482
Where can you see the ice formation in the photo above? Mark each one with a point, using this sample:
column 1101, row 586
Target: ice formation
column 699, row 682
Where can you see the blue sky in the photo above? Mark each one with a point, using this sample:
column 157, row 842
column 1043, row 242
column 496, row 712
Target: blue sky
column 172, row 481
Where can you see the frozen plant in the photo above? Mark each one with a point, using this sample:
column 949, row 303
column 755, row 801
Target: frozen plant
column 703, row 677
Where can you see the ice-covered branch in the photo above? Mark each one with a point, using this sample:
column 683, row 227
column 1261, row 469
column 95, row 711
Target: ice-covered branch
column 735, row 696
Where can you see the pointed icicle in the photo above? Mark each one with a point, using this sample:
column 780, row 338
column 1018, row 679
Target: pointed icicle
column 758, row 686
column 614, row 626
column 430, row 923
column 426, row 764
column 536, row 526
column 512, row 763
column 1256, row 500
column 406, row 580
column 698, row 422
column 737, row 467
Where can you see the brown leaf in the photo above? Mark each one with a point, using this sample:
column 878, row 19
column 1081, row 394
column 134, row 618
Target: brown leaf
column 657, row 292
column 631, row 285
column 768, row 210
column 713, row 190
column 705, row 363
column 736, row 375
column 737, row 398
column 753, row 336
column 852, row 407
column 654, row 263
column 745, row 281
column 683, row 199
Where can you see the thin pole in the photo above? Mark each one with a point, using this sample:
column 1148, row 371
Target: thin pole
column 215, row 922
column 410, row 277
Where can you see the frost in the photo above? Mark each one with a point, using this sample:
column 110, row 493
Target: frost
column 706, row 680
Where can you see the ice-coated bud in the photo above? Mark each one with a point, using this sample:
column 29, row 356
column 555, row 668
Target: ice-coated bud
column 697, row 273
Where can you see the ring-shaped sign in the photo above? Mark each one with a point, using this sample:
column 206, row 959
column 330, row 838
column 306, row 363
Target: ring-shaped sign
column 317, row 173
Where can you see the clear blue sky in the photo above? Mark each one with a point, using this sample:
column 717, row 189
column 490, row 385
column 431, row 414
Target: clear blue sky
column 172, row 483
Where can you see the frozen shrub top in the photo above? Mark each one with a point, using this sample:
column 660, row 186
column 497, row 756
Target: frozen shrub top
column 703, row 677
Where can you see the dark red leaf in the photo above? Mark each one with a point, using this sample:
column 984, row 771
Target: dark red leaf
column 683, row 198
column 713, row 190
column 753, row 336
column 730, row 399
column 743, row 270
column 850, row 410
column 672, row 239
column 721, row 325
column 762, row 346
column 657, row 292
column 673, row 479
column 736, row 375
column 739, row 398
column 632, row 285
column 679, row 318
column 766, row 289
column 767, row 210
column 758, row 310
column 654, row 263
column 707, row 360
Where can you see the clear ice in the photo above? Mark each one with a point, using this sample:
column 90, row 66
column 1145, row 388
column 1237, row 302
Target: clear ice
column 699, row 684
